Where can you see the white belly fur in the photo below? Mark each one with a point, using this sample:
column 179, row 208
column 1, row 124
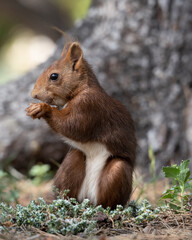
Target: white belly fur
column 96, row 157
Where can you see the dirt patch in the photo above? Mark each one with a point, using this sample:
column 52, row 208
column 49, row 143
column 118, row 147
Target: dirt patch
column 168, row 235
column 29, row 191
column 165, row 226
column 36, row 234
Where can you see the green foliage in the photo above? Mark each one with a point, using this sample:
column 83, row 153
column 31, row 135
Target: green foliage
column 9, row 193
column 152, row 162
column 138, row 213
column 78, row 9
column 145, row 212
column 40, row 173
column 67, row 216
column 181, row 188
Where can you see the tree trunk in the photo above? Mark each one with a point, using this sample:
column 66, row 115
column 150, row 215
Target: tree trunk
column 141, row 54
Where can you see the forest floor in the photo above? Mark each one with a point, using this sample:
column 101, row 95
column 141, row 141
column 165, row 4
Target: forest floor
column 167, row 225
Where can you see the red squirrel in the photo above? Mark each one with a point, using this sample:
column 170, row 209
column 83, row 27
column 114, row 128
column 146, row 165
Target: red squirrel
column 99, row 129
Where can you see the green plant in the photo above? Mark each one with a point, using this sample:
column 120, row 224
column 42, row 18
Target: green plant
column 152, row 169
column 177, row 196
column 40, row 173
column 67, row 216
column 152, row 163
column 77, row 9
column 9, row 192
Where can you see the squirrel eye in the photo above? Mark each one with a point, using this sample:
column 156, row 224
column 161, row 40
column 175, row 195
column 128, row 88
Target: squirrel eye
column 54, row 76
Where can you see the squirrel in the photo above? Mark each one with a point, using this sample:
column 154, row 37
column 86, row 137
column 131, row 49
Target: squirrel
column 98, row 128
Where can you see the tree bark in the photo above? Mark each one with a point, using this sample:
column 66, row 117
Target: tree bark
column 141, row 54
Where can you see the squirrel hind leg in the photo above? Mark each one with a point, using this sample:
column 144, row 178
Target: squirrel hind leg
column 71, row 173
column 115, row 183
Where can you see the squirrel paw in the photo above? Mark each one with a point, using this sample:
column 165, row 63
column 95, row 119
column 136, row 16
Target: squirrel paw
column 38, row 110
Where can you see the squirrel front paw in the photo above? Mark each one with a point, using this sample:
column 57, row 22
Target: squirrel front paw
column 38, row 110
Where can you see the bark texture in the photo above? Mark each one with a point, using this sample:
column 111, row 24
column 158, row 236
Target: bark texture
column 141, row 54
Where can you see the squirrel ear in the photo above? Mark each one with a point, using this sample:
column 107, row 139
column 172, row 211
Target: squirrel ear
column 74, row 55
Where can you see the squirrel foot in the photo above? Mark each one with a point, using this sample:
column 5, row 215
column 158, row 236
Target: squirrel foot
column 38, row 110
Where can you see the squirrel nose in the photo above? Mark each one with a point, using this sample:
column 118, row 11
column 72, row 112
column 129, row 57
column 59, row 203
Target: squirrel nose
column 33, row 95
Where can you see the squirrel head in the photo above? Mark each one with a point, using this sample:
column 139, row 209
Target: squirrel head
column 62, row 80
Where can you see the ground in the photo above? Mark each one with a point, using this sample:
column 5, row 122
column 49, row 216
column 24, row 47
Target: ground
column 166, row 226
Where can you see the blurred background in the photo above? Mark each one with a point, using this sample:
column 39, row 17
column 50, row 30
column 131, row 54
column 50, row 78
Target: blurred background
column 26, row 35
column 141, row 52
column 27, row 39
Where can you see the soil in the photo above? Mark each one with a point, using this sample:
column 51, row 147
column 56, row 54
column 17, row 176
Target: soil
column 141, row 234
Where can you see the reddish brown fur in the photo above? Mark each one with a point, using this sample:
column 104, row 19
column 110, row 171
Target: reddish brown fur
column 116, row 183
column 90, row 116
column 71, row 173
